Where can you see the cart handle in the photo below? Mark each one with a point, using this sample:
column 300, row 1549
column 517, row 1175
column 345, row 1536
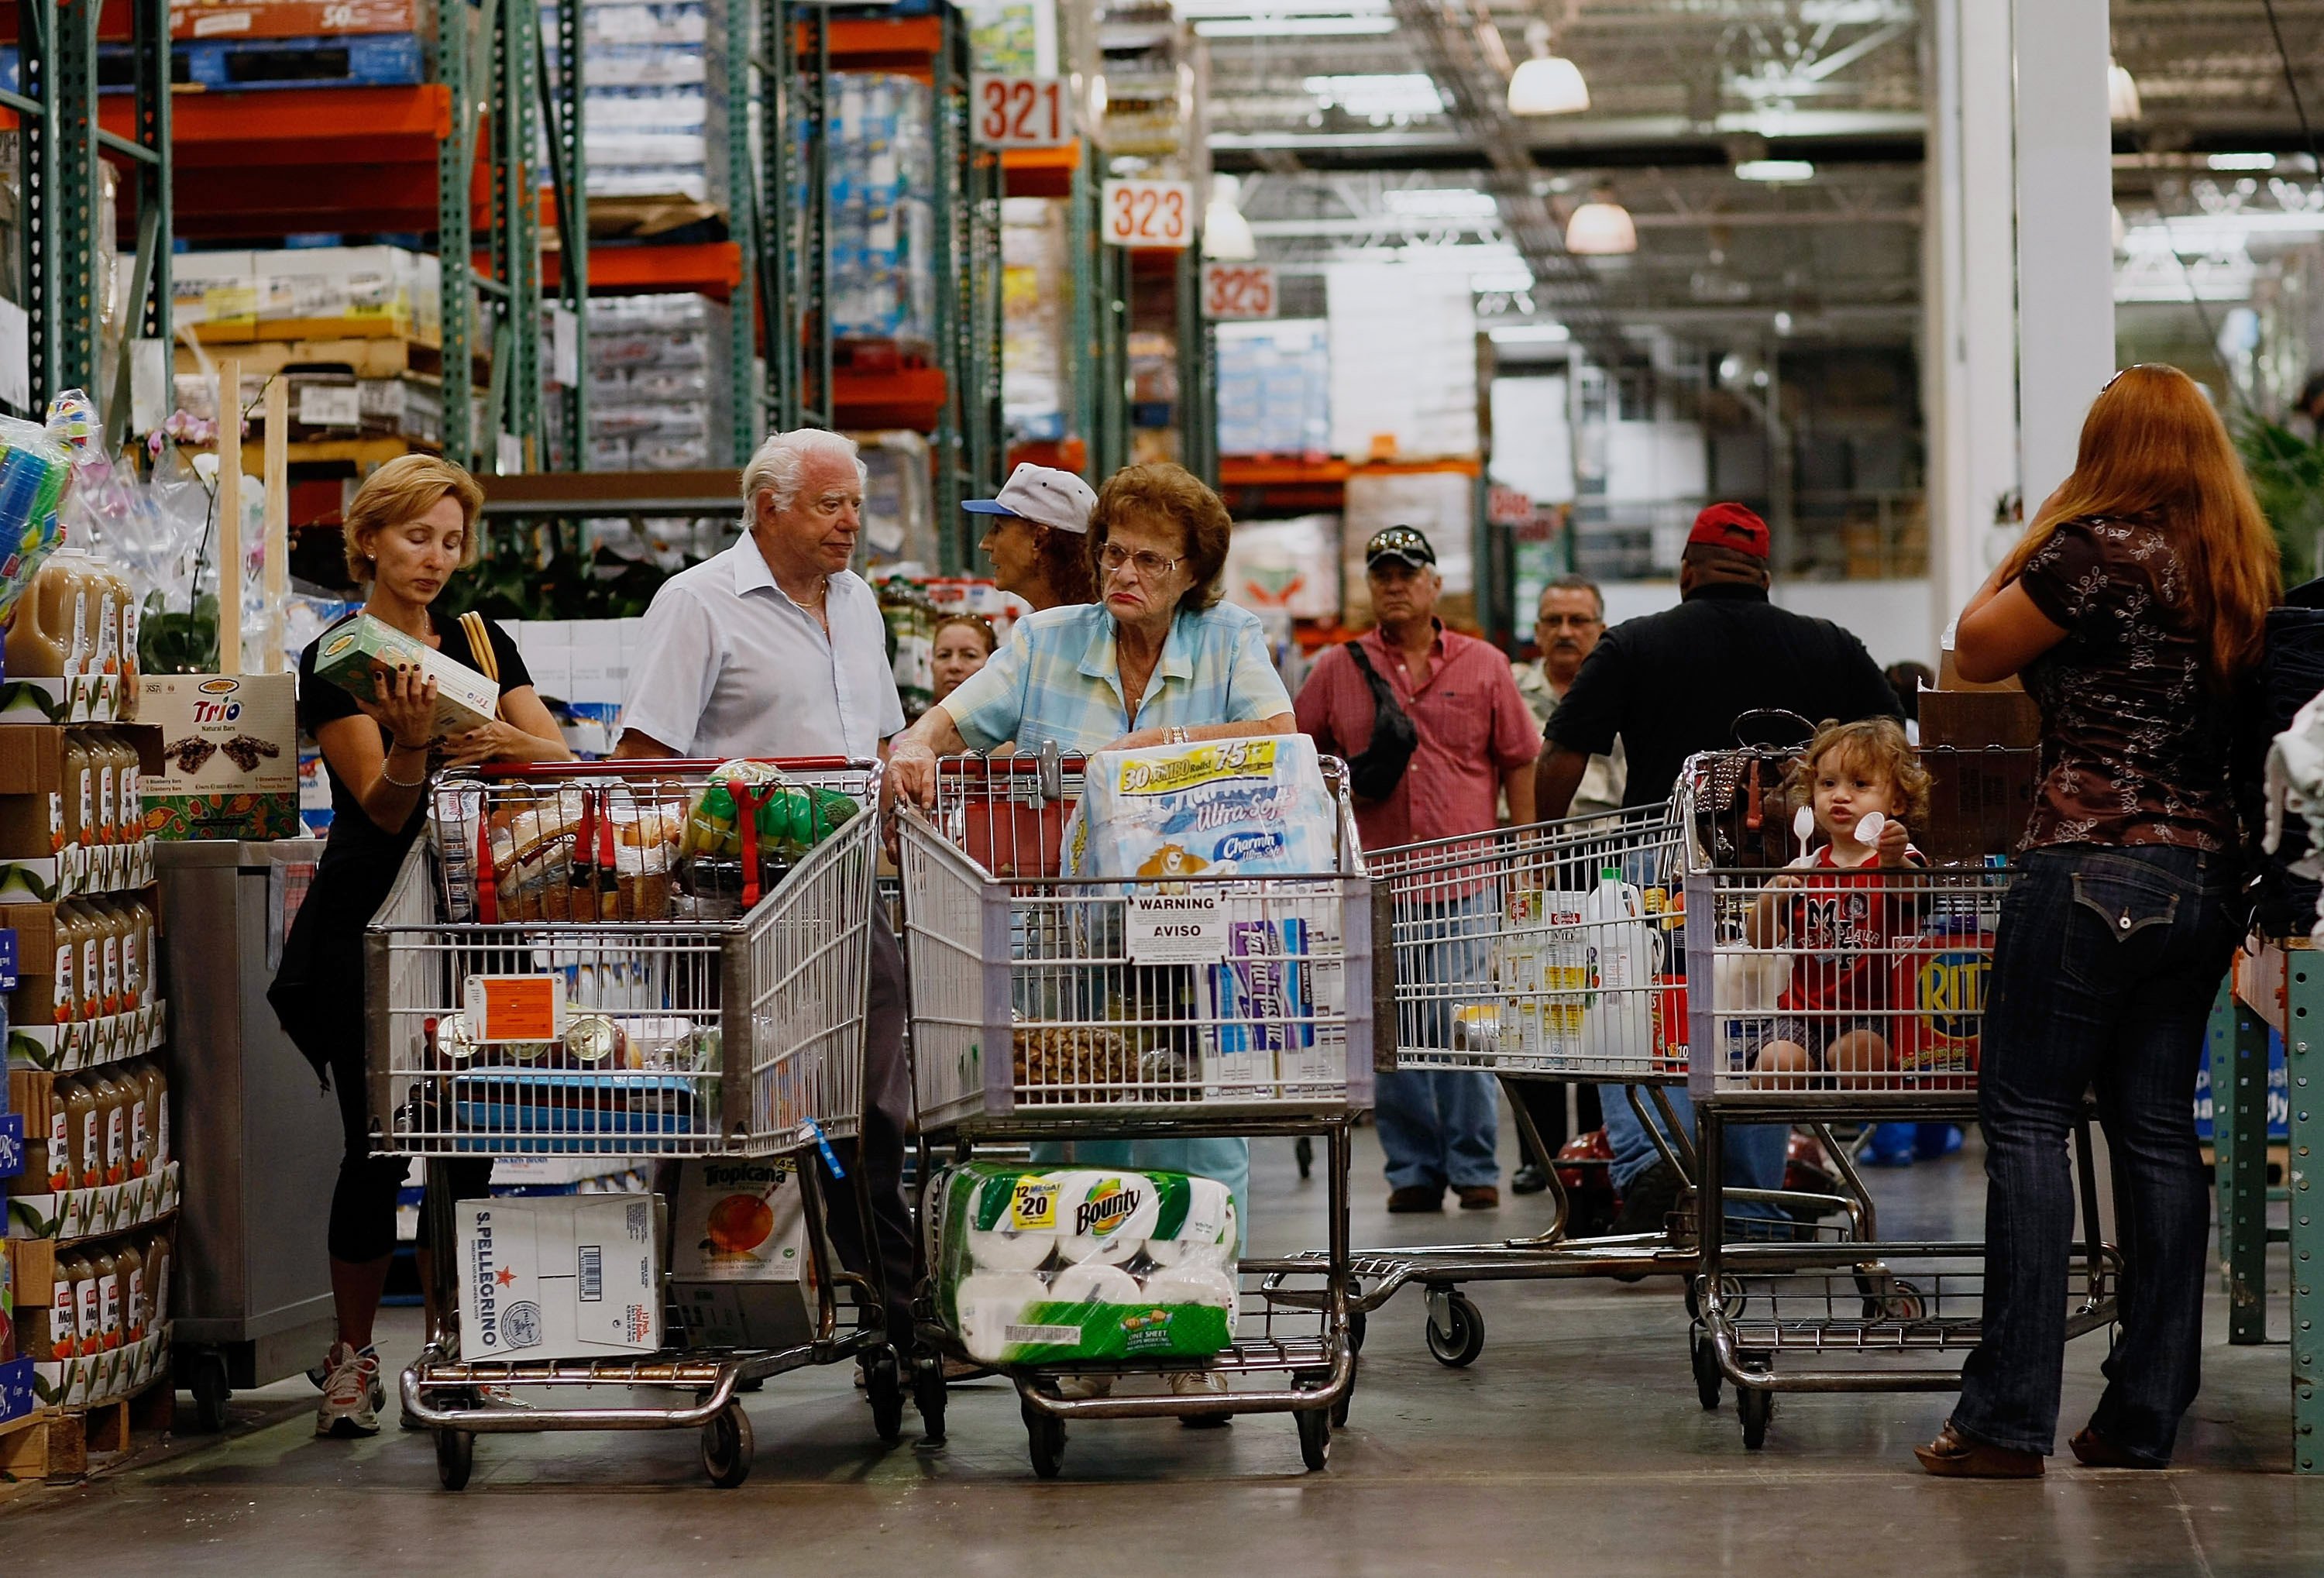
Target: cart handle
column 661, row 764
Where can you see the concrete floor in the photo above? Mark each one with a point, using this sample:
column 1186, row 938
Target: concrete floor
column 1573, row 1445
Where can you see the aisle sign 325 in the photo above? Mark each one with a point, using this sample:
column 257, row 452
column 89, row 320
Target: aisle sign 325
column 1020, row 112
column 1148, row 213
column 1237, row 291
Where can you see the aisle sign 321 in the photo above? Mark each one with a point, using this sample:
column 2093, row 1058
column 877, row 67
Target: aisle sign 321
column 1237, row 291
column 1148, row 213
column 1020, row 112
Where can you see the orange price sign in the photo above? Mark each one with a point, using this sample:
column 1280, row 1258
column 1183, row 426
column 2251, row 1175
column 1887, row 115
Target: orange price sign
column 1148, row 213
column 515, row 1008
column 1237, row 291
column 1019, row 112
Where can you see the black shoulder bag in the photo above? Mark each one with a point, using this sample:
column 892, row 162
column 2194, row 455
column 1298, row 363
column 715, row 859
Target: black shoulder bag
column 1374, row 772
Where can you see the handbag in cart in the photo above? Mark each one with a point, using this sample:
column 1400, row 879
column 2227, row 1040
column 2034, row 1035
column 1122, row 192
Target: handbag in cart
column 1742, row 814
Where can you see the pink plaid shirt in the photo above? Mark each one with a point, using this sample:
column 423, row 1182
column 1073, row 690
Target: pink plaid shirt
column 1473, row 727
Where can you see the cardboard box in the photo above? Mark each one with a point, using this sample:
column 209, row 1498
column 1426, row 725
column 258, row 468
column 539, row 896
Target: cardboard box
column 1949, row 677
column 465, row 699
column 295, row 19
column 1975, row 719
column 230, row 755
column 560, row 1277
column 741, row 1274
column 34, row 863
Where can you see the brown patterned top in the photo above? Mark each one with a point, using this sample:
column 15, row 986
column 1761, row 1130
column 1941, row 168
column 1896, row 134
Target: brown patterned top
column 2133, row 740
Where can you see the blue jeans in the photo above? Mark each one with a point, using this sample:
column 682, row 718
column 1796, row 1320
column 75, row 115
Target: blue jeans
column 1438, row 1127
column 1442, row 1126
column 2104, row 969
column 1755, row 1152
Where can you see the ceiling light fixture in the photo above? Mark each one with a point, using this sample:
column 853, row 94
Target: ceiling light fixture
column 1531, row 334
column 1407, row 93
column 1546, row 84
column 1776, row 171
column 1226, row 234
column 1601, row 227
column 2242, row 161
column 2122, row 93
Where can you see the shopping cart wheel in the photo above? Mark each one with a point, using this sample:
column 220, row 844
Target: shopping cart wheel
column 1303, row 1151
column 1355, row 1324
column 1456, row 1328
column 1755, row 1409
column 883, row 1383
column 928, row 1397
column 1707, row 1381
column 455, row 1457
column 206, row 1379
column 1315, row 1436
column 727, row 1446
column 1045, row 1439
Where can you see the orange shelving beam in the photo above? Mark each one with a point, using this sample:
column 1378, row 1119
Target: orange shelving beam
column 904, row 44
column 1040, row 172
column 706, row 268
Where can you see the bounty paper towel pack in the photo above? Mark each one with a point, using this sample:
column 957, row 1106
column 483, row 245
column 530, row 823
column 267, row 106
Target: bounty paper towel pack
column 1044, row 1266
column 1218, row 808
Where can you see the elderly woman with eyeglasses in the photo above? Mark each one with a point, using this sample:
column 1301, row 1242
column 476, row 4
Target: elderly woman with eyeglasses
column 1156, row 660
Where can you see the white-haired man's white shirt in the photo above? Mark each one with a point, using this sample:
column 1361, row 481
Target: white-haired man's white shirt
column 730, row 666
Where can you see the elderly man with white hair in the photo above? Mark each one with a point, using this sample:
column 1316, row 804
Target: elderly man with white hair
column 776, row 648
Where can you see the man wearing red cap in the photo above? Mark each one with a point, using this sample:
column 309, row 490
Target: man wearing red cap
column 1667, row 686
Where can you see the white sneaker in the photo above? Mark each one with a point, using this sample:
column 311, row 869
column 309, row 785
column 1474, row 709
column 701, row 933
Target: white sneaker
column 351, row 1394
column 1199, row 1383
column 320, row 1376
column 1084, row 1386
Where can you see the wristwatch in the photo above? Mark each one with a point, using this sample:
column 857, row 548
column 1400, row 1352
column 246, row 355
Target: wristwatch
column 1174, row 735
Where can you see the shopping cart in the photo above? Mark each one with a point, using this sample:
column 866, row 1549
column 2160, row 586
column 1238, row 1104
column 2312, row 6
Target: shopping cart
column 1841, row 995
column 738, row 1032
column 1550, row 951
column 1033, row 1018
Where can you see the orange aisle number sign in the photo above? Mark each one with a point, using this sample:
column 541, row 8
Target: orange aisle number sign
column 1148, row 213
column 515, row 1008
column 1237, row 291
column 1020, row 112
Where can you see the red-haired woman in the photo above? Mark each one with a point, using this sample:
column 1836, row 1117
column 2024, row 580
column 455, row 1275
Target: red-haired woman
column 2133, row 606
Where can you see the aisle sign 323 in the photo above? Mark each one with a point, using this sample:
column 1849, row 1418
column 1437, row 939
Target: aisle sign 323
column 1150, row 213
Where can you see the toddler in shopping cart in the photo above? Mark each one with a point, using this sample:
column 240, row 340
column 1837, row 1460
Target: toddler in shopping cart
column 1840, row 923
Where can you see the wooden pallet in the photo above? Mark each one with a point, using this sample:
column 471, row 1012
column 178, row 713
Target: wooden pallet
column 57, row 1444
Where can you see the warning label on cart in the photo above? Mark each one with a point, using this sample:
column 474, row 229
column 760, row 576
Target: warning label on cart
column 1177, row 929
column 515, row 1008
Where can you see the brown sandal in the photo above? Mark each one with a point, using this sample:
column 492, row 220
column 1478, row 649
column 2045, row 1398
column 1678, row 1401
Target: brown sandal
column 1951, row 1456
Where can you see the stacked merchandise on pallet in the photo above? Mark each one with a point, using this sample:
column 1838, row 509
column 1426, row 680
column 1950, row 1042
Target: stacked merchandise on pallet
column 355, row 331
column 1034, row 289
column 883, row 164
column 1274, row 388
column 652, row 124
column 658, row 383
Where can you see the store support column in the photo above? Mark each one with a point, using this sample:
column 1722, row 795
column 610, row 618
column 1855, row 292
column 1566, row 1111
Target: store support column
column 1969, row 295
column 2065, row 233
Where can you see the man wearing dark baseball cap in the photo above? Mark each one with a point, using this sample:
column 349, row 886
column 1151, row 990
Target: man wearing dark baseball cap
column 1667, row 686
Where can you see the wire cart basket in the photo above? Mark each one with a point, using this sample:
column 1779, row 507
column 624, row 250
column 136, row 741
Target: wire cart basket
column 737, row 1030
column 1555, row 950
column 1841, row 995
column 1034, row 1019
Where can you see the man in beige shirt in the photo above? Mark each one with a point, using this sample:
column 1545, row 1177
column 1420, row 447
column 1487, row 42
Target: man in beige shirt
column 1571, row 618
column 1568, row 622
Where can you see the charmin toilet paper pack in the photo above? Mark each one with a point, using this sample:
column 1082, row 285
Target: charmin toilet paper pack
column 1217, row 807
column 1052, row 1265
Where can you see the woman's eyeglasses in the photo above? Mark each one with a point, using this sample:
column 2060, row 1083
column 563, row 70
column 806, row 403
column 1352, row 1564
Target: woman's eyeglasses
column 1145, row 564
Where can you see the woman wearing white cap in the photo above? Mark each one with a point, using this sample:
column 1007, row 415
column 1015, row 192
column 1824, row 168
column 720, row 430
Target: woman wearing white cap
column 1038, row 541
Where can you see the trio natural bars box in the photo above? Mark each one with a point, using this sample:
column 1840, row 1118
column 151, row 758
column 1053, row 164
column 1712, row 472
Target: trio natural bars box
column 353, row 650
column 229, row 755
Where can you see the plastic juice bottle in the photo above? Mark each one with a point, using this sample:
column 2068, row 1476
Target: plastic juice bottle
column 50, row 1160
column 141, row 940
column 110, row 917
column 131, row 1260
column 84, row 1137
column 128, row 792
column 73, row 1273
column 88, row 1310
column 112, row 591
column 66, row 965
column 88, row 957
column 131, row 670
column 77, row 771
column 105, row 826
column 157, row 1281
column 151, row 1136
column 42, row 636
column 115, row 1097
column 106, row 1266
